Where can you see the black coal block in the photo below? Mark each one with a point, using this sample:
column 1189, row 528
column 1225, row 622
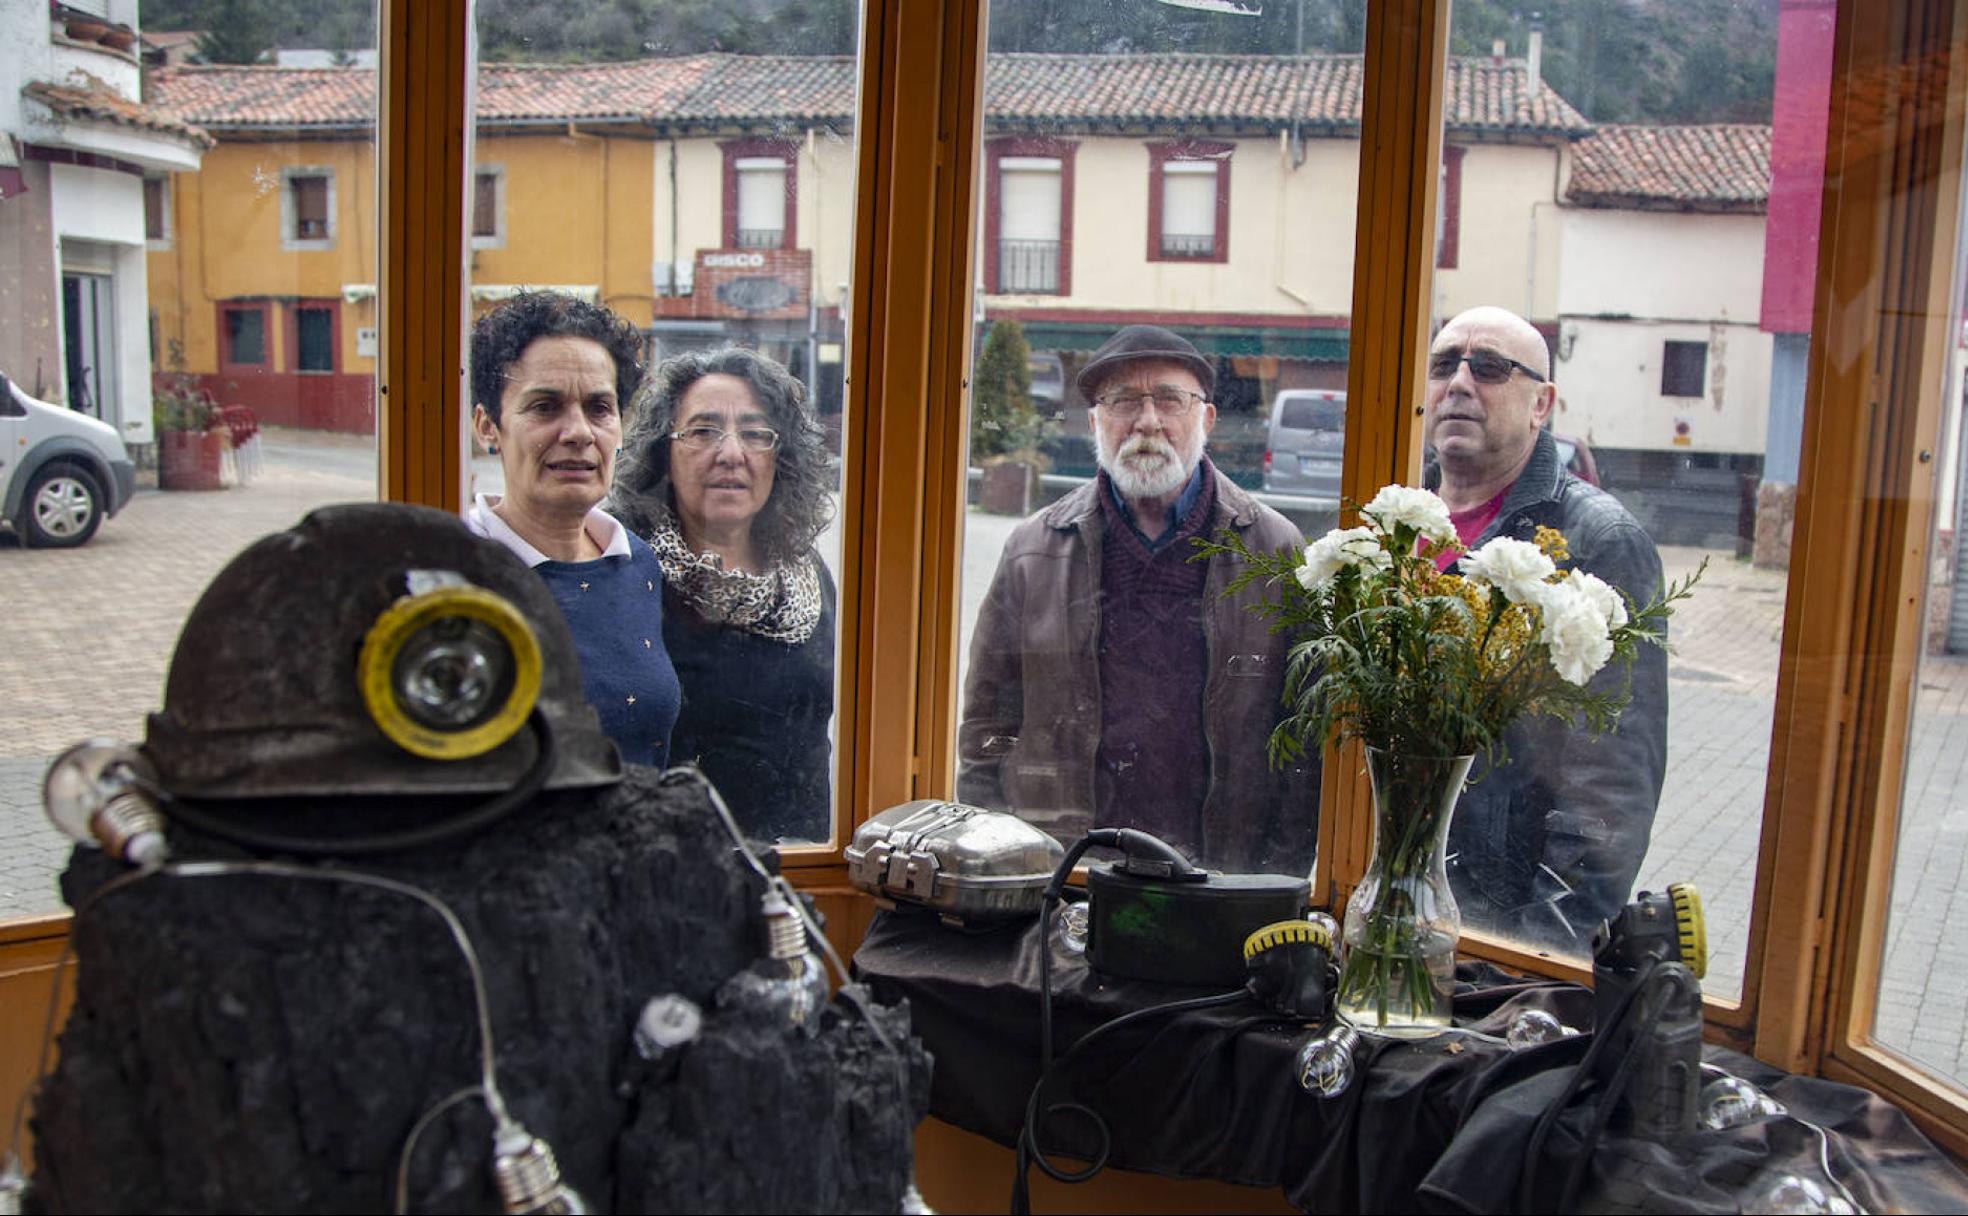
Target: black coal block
column 267, row 1044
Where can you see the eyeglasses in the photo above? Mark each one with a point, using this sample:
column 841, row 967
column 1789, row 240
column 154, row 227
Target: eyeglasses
column 1486, row 365
column 1169, row 403
column 751, row 438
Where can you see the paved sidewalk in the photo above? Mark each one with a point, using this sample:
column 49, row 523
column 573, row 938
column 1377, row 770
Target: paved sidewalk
column 86, row 634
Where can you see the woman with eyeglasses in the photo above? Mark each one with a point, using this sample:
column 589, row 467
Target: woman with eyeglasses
column 725, row 472
column 551, row 378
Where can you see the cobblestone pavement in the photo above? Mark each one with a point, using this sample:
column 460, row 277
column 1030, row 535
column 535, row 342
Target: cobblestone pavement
column 85, row 637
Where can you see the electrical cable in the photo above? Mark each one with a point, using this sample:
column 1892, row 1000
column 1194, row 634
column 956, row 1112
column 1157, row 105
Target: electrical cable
column 417, row 1130
column 201, row 816
column 1029, row 1152
column 786, row 890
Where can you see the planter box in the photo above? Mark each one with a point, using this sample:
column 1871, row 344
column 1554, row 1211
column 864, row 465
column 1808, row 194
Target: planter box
column 1007, row 488
column 192, row 460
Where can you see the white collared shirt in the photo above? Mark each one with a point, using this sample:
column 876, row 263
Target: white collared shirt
column 484, row 521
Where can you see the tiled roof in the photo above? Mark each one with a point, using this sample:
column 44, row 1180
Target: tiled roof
column 1713, row 168
column 1024, row 92
column 87, row 97
column 233, row 98
column 1234, row 91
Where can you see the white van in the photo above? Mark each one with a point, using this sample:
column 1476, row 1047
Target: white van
column 1306, row 445
column 61, row 473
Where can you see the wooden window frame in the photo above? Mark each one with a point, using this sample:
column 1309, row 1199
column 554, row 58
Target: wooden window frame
column 1215, row 152
column 495, row 239
column 1891, row 204
column 1449, row 255
column 996, row 150
column 160, row 183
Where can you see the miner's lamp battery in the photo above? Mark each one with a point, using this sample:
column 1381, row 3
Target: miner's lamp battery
column 1183, row 932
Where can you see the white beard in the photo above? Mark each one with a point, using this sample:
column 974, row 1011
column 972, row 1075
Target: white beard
column 1148, row 466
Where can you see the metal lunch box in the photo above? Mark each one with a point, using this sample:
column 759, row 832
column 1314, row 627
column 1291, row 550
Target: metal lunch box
column 970, row 865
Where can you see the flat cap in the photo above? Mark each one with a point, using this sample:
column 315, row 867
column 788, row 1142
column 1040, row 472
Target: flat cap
column 1144, row 342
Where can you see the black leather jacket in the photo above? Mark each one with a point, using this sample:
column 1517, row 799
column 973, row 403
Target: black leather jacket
column 1549, row 843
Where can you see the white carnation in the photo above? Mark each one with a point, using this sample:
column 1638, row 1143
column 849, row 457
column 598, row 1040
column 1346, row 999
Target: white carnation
column 1514, row 567
column 1418, row 509
column 1609, row 601
column 1338, row 549
column 1575, row 628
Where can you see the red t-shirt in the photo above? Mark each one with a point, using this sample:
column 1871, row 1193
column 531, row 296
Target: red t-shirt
column 1470, row 524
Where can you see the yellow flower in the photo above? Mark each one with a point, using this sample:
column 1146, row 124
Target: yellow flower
column 1552, row 542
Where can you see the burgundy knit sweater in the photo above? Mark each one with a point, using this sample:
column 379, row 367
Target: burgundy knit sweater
column 1152, row 769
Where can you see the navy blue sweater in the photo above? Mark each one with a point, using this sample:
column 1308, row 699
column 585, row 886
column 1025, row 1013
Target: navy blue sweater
column 614, row 608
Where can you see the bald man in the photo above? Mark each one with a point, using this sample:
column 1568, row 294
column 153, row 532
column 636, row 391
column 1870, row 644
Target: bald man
column 1548, row 845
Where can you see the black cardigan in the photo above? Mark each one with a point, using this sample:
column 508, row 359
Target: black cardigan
column 755, row 717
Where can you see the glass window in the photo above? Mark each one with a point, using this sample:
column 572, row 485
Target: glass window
column 712, row 214
column 157, row 214
column 488, row 226
column 1104, row 679
column 164, row 238
column 1188, row 217
column 1031, row 253
column 1684, row 369
column 1665, row 252
column 314, row 337
column 245, row 334
column 761, row 193
column 307, row 208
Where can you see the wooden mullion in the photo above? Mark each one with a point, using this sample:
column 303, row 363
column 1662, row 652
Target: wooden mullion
column 424, row 113
column 1393, row 269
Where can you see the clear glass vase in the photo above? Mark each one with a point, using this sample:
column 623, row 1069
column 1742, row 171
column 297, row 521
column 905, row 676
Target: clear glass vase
column 1398, row 971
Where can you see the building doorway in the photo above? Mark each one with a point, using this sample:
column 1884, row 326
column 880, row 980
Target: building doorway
column 89, row 341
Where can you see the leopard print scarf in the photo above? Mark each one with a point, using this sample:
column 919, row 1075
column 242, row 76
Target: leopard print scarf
column 782, row 604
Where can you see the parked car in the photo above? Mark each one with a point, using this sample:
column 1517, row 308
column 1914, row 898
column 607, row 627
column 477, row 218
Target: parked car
column 61, row 472
column 1307, row 443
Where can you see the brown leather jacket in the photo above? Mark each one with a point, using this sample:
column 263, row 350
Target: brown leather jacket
column 1031, row 713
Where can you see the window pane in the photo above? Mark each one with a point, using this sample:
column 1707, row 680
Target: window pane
column 1188, row 208
column 246, row 335
column 315, row 333
column 707, row 200
column 485, row 205
column 1670, row 278
column 1113, row 685
column 1923, row 974
column 161, row 257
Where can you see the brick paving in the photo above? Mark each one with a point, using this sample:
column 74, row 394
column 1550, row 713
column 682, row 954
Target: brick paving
column 85, row 637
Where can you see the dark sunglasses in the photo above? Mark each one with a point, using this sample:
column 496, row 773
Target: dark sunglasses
column 1486, row 365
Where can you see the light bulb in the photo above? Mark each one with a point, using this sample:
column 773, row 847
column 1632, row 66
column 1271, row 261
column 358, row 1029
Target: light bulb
column 1071, row 928
column 528, row 1177
column 1534, row 1027
column 96, row 792
column 1783, row 1194
column 1325, row 1064
column 1731, row 1102
column 667, row 1022
column 788, row 987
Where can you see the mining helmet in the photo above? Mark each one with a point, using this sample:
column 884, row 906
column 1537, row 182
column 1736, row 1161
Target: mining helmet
column 372, row 651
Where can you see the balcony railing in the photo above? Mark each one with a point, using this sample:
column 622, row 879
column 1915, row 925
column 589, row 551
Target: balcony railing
column 1028, row 267
column 761, row 238
column 1188, row 245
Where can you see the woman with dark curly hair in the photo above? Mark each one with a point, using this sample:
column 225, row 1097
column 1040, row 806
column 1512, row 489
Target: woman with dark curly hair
column 551, row 378
column 726, row 473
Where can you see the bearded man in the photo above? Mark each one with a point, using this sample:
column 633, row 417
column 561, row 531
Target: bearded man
column 1112, row 683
